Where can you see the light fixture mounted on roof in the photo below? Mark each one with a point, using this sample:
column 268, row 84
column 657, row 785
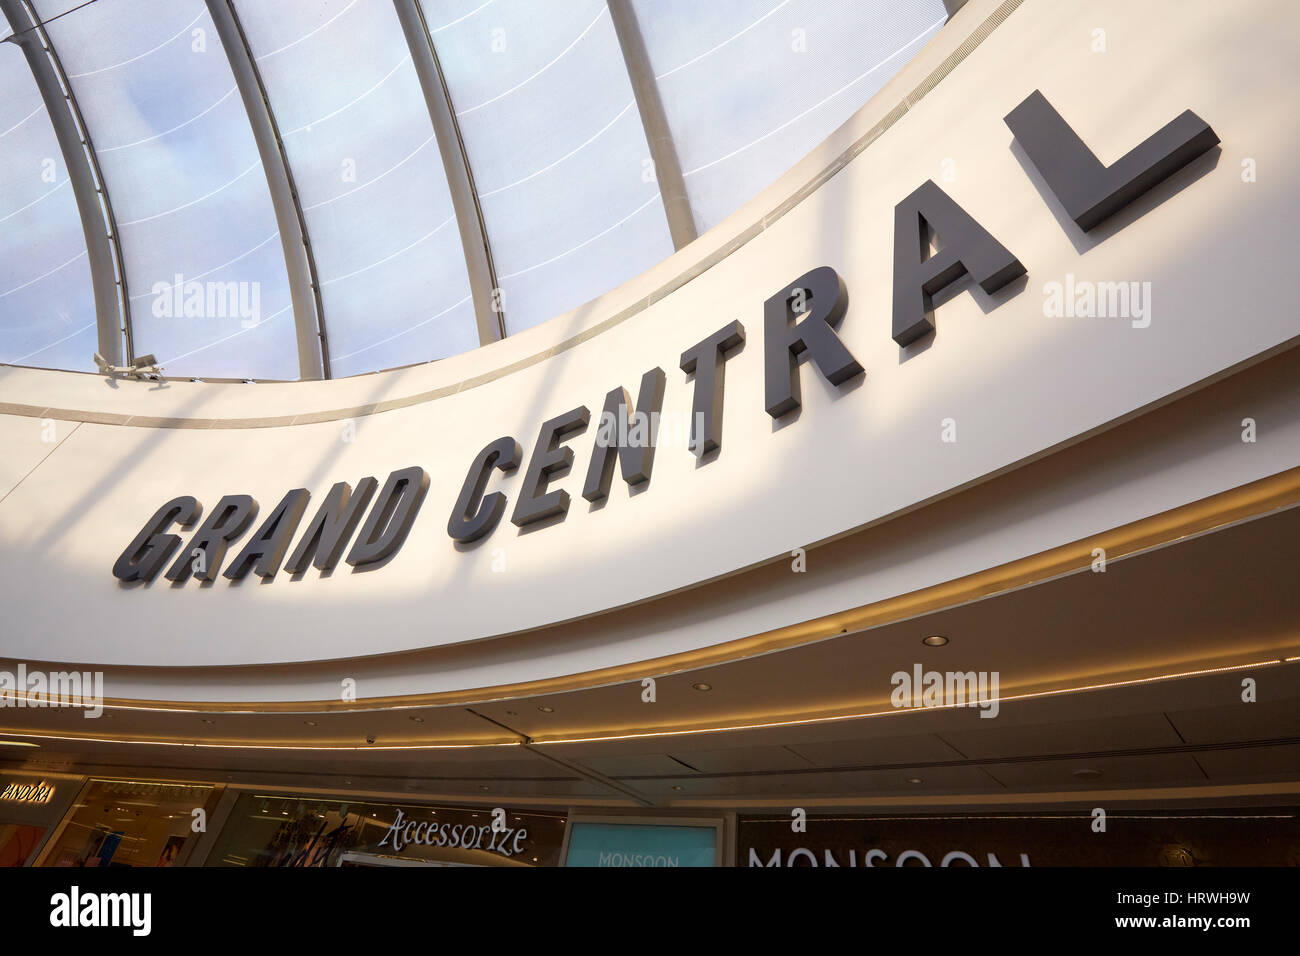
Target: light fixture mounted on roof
column 143, row 368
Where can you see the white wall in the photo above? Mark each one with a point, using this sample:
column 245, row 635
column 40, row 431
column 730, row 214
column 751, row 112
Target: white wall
column 1215, row 251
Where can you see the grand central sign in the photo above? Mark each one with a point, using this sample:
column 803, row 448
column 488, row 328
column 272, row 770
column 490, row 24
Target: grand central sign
column 800, row 322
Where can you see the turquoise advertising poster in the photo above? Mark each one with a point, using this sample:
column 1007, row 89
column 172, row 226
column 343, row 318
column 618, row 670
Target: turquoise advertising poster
column 617, row 844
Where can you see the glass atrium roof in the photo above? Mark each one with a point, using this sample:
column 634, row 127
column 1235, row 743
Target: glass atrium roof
column 278, row 189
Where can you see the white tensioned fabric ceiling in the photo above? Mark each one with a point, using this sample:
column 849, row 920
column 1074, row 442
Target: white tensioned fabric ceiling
column 548, row 103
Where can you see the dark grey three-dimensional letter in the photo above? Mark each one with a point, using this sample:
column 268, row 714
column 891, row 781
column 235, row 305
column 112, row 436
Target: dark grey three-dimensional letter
column 800, row 318
column 475, row 516
column 968, row 247
column 1089, row 191
column 629, row 432
column 706, row 360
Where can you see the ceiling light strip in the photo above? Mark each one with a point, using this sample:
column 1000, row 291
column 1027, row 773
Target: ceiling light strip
column 893, row 711
column 1256, row 499
column 243, row 745
column 534, row 742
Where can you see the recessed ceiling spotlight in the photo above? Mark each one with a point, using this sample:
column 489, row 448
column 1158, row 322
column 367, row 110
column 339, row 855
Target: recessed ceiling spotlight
column 310, row 723
column 418, row 720
column 934, row 640
column 1087, row 773
column 545, row 710
column 915, row 780
column 701, row 685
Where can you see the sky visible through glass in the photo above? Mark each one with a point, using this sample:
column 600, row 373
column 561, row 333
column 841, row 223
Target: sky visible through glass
column 549, row 126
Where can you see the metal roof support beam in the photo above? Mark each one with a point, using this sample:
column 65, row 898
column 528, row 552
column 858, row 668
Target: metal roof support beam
column 107, row 275
column 952, row 6
column 668, row 169
column 304, row 289
column 460, row 178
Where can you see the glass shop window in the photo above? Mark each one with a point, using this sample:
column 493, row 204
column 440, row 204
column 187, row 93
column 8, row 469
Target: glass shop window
column 131, row 823
column 264, row 830
column 17, row 841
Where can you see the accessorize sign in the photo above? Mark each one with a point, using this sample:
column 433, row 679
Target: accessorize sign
column 306, row 831
column 494, row 835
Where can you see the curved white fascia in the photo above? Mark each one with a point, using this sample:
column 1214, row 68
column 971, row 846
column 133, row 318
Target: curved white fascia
column 1185, row 452
column 1003, row 375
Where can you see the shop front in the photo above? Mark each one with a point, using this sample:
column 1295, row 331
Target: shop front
column 296, row 830
column 1095, row 837
column 317, row 831
column 30, row 805
column 131, row 823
